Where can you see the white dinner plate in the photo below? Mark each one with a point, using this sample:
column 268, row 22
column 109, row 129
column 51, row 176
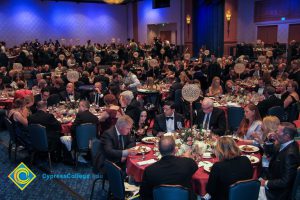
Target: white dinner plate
column 142, row 149
column 150, row 140
column 249, row 148
column 253, row 159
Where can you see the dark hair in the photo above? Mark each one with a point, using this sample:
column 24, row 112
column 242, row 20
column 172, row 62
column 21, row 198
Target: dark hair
column 45, row 90
column 18, row 103
column 289, row 129
column 166, row 145
column 170, row 103
column 270, row 90
column 41, row 104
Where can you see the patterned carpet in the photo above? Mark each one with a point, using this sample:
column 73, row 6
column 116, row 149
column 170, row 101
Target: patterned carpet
column 40, row 188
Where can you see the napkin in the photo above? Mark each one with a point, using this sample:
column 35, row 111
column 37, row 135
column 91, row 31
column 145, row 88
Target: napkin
column 146, row 162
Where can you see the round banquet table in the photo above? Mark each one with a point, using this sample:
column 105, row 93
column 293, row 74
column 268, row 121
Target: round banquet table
column 199, row 179
column 6, row 102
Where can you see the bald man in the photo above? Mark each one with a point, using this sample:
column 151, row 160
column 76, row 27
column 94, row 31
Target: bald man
column 69, row 94
column 170, row 170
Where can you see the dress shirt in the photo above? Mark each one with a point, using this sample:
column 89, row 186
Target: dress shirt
column 170, row 123
column 120, row 137
column 206, row 121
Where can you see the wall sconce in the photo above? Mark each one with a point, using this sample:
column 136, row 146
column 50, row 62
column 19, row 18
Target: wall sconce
column 188, row 20
column 228, row 19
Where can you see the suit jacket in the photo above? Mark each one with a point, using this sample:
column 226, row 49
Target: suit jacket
column 111, row 145
column 171, row 170
column 92, row 98
column 160, row 124
column 282, row 172
column 270, row 102
column 64, row 96
column 225, row 173
column 133, row 110
column 217, row 122
column 53, row 126
column 82, row 118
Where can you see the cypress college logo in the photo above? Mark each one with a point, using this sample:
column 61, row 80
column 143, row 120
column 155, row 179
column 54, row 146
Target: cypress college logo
column 22, row 176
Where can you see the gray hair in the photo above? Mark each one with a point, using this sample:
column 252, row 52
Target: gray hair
column 127, row 95
column 124, row 120
column 208, row 102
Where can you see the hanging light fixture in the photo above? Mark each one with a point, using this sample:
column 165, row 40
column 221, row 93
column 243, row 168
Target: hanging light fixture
column 113, row 1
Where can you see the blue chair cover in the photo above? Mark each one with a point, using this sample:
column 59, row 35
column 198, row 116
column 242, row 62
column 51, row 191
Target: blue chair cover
column 115, row 179
column 174, row 192
column 296, row 187
column 38, row 137
column 235, row 116
column 84, row 134
column 279, row 112
column 245, row 190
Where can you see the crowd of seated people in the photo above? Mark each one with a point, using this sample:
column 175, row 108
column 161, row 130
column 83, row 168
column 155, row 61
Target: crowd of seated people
column 116, row 81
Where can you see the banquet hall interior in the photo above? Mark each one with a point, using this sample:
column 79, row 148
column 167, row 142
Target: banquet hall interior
column 92, row 90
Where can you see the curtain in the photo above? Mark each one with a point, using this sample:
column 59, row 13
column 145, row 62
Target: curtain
column 209, row 25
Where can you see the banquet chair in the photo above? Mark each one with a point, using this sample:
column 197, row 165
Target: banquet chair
column 296, row 186
column 115, row 179
column 279, row 112
column 174, row 192
column 293, row 113
column 39, row 141
column 96, row 154
column 85, row 133
column 53, row 100
column 246, row 190
column 13, row 139
column 235, row 116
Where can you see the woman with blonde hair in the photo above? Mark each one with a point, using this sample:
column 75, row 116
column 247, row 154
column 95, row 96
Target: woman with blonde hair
column 230, row 168
column 215, row 88
column 269, row 125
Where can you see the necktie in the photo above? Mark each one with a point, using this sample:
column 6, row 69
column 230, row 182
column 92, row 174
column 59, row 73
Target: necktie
column 206, row 122
column 121, row 142
column 167, row 118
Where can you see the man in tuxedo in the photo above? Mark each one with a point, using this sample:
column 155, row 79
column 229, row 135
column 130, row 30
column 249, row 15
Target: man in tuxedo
column 96, row 97
column 43, row 96
column 69, row 94
column 130, row 106
column 53, row 127
column 168, row 121
column 169, row 170
column 270, row 101
column 211, row 118
column 117, row 143
column 283, row 164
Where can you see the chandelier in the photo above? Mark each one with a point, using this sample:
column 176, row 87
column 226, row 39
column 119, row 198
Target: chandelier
column 113, row 1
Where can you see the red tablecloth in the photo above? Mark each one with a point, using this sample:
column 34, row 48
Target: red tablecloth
column 199, row 179
column 7, row 103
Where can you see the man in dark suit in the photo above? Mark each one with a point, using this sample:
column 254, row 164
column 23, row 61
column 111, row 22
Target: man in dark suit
column 117, row 143
column 130, row 106
column 283, row 164
column 69, row 94
column 211, row 118
column 168, row 121
column 53, row 127
column 96, row 96
column 170, row 170
column 82, row 117
column 270, row 101
column 43, row 96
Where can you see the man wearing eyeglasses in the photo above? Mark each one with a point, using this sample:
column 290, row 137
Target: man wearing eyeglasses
column 211, row 118
column 168, row 121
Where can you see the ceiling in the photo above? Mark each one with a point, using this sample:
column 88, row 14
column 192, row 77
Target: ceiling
column 93, row 1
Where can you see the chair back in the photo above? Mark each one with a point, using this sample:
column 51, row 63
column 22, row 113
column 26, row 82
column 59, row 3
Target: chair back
column 96, row 154
column 246, row 190
column 10, row 128
column 38, row 137
column 235, row 116
column 174, row 192
column 279, row 112
column 115, row 179
column 84, row 134
column 293, row 112
column 296, row 186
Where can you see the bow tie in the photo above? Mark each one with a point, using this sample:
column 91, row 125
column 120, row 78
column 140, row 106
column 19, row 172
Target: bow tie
column 167, row 118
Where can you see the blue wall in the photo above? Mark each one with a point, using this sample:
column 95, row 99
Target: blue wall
column 22, row 20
